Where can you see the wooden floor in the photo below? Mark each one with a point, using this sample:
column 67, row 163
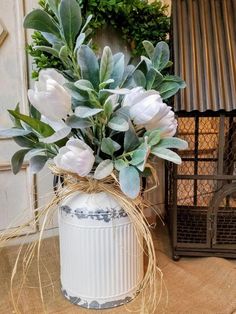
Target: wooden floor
column 194, row 285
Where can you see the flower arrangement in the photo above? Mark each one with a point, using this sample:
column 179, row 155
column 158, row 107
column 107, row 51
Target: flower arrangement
column 100, row 116
column 98, row 122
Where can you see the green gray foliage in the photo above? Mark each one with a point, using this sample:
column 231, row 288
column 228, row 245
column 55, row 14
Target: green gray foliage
column 97, row 87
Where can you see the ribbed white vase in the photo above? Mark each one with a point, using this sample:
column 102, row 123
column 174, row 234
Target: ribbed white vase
column 101, row 257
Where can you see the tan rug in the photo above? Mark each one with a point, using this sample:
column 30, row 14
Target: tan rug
column 195, row 285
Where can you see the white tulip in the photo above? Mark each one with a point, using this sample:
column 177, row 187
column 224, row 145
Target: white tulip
column 165, row 121
column 49, row 96
column 143, row 105
column 56, row 125
column 76, row 157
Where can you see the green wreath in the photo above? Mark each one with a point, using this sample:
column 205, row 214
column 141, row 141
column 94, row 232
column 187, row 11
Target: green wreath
column 135, row 20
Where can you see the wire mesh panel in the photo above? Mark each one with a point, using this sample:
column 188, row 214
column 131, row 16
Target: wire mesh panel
column 208, row 165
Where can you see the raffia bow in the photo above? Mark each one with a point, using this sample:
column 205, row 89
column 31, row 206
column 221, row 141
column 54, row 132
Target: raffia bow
column 150, row 293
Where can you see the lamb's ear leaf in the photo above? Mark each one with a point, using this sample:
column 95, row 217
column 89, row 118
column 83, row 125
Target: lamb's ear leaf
column 148, row 46
column 154, row 137
column 37, row 163
column 8, row 133
column 173, row 142
column 41, row 21
column 109, row 146
column 106, row 66
column 17, row 160
column 129, row 181
column 139, row 78
column 104, row 169
column 54, row 4
column 131, row 140
column 166, row 154
column 161, row 55
column 70, row 20
column 168, row 89
column 89, row 65
column 118, row 123
column 118, row 69
column 78, row 123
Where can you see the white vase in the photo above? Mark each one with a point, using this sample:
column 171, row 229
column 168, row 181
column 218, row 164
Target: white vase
column 101, row 257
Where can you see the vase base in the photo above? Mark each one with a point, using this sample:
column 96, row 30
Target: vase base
column 95, row 304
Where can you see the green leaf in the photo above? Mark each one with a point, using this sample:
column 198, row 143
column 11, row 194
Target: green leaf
column 85, row 112
column 104, row 84
column 63, row 54
column 118, row 124
column 89, row 18
column 84, row 85
column 131, row 140
column 118, row 69
column 54, row 4
column 79, row 41
column 128, row 75
column 34, row 112
column 139, row 78
column 109, row 146
column 152, row 77
column 154, row 137
column 120, row 163
column 166, row 154
column 37, row 163
column 104, row 169
column 41, row 21
column 8, row 133
column 138, row 157
column 47, row 49
column 106, row 65
column 176, row 79
column 93, row 99
column 147, row 61
column 40, row 127
column 148, row 47
column 70, row 20
column 129, row 181
column 25, row 141
column 17, row 160
column 173, row 142
column 89, row 65
column 168, row 89
column 161, row 55
column 75, row 92
column 110, row 105
column 76, row 122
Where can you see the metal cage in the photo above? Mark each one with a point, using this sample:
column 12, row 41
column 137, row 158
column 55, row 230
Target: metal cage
column 201, row 192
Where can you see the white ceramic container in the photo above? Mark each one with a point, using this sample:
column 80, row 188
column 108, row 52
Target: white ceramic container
column 101, row 257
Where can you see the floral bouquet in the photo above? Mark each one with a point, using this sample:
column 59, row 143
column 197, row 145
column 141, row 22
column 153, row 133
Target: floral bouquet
column 97, row 119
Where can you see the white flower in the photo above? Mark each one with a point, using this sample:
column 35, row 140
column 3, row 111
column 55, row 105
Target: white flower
column 148, row 109
column 56, row 125
column 76, row 157
column 49, row 96
column 143, row 105
column 165, row 121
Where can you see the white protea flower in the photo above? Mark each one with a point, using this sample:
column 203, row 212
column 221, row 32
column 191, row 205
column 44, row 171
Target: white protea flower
column 76, row 157
column 49, row 96
column 143, row 105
